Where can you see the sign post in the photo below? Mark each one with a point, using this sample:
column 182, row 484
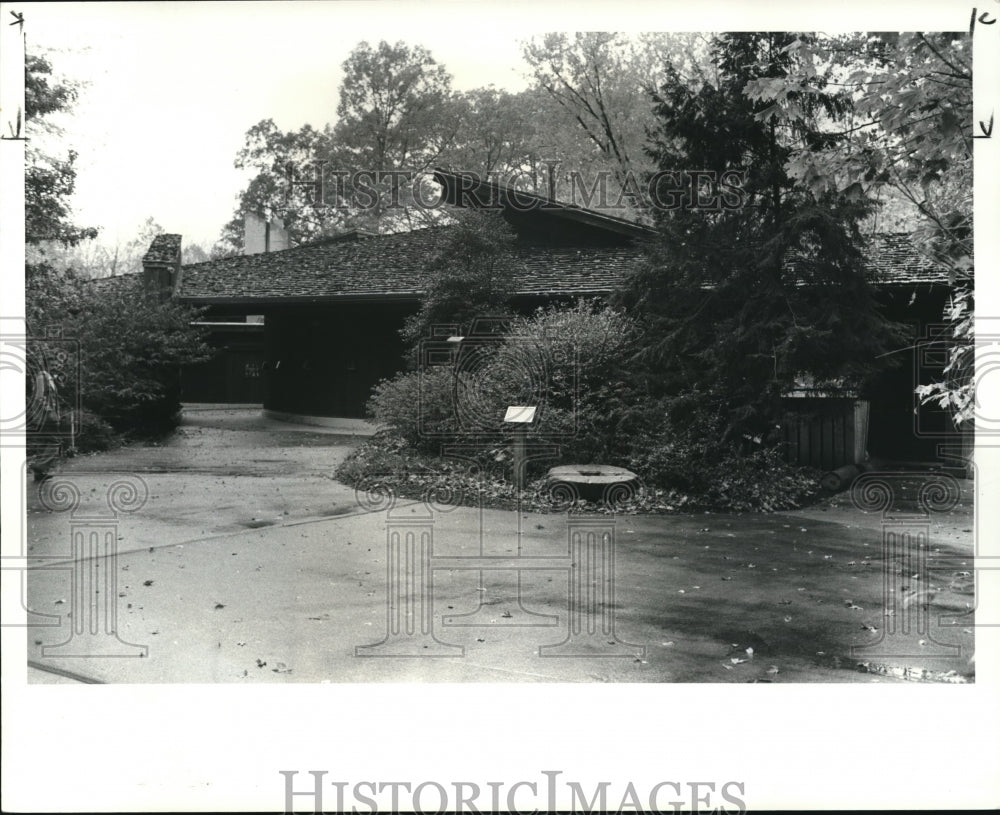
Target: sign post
column 520, row 416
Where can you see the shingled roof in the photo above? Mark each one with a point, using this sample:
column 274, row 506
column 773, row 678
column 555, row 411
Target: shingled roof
column 390, row 267
column 387, row 267
column 893, row 259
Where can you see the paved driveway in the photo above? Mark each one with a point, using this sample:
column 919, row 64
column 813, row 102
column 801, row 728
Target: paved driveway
column 248, row 563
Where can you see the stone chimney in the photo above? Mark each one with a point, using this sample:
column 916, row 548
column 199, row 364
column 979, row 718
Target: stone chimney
column 161, row 266
column 260, row 235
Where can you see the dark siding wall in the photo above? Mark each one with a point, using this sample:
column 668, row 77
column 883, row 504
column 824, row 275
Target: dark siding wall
column 233, row 375
column 325, row 361
column 901, row 429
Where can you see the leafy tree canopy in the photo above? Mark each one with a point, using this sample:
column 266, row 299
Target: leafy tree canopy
column 469, row 276
column 741, row 299
column 584, row 113
column 908, row 139
column 49, row 179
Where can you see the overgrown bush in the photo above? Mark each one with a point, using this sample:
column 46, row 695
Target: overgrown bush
column 566, row 360
column 417, row 407
column 677, row 445
column 386, row 461
column 123, row 354
column 755, row 482
column 570, row 361
column 383, row 453
column 581, row 349
column 133, row 348
column 92, row 434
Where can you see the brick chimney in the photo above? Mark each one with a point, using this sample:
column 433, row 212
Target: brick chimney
column 260, row 235
column 161, row 266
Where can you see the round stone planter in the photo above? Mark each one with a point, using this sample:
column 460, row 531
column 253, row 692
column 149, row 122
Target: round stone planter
column 593, row 482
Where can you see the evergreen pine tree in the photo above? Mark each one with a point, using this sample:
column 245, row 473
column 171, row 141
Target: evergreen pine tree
column 768, row 282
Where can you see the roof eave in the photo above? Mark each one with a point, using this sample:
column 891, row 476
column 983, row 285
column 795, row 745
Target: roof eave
column 322, row 299
column 277, row 300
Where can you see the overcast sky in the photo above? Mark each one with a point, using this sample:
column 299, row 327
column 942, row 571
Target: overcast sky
column 172, row 87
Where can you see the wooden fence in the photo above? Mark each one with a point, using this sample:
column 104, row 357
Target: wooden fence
column 825, row 432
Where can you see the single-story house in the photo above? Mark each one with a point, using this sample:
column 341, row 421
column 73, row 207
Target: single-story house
column 325, row 319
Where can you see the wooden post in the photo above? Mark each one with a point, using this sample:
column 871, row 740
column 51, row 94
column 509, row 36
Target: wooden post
column 520, row 456
column 520, row 416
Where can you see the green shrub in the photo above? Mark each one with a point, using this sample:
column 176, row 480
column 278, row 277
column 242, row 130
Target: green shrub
column 133, row 349
column 130, row 351
column 677, row 445
column 564, row 359
column 759, row 482
column 581, row 349
column 417, row 407
column 383, row 453
column 571, row 361
column 93, row 434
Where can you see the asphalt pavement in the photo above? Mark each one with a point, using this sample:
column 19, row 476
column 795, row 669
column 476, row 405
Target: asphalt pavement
column 246, row 563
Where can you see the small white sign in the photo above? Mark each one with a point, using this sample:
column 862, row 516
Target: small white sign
column 520, row 413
